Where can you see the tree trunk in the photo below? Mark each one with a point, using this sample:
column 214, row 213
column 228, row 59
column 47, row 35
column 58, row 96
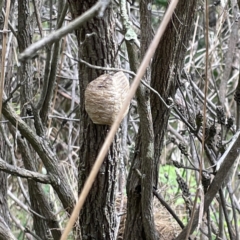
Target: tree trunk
column 96, row 42
column 24, row 71
column 139, row 189
column 167, row 62
column 168, row 59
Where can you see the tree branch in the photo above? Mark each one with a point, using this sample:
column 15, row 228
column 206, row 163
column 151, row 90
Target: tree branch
column 50, row 161
column 57, row 35
column 5, row 232
column 21, row 172
column 169, row 209
column 216, row 184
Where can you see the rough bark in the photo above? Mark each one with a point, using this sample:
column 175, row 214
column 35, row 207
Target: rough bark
column 167, row 62
column 146, row 125
column 140, row 220
column 168, row 59
column 96, row 41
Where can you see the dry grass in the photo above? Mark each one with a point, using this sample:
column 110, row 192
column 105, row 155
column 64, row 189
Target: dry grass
column 166, row 226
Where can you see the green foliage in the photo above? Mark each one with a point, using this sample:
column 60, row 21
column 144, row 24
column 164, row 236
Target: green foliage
column 167, row 175
column 161, row 2
column 167, row 179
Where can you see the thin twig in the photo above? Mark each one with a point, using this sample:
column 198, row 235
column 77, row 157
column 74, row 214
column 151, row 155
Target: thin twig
column 18, row 201
column 228, row 162
column 38, row 17
column 169, row 209
column 13, row 159
column 230, row 191
column 13, row 91
column 25, row 230
column 9, row 25
column 50, row 116
column 57, row 35
column 204, row 125
column 123, row 70
column 226, row 215
column 99, row 67
column 64, row 122
column 4, row 43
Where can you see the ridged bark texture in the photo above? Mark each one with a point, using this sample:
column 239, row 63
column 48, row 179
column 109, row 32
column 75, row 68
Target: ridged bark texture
column 167, row 62
column 140, row 220
column 96, row 41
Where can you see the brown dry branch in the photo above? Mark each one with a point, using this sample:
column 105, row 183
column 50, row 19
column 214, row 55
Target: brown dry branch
column 168, row 208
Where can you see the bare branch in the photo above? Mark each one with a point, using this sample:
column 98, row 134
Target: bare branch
column 21, row 172
column 42, row 147
column 57, row 35
column 170, row 210
column 216, row 184
column 5, row 232
column 123, row 70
